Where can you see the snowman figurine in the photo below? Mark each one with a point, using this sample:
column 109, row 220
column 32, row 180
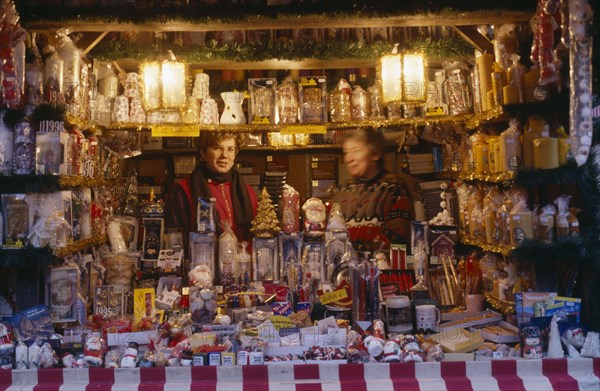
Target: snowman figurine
column 130, row 358
column 391, row 352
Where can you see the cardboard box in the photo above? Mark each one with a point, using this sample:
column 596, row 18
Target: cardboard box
column 457, row 340
column 502, row 332
column 183, row 165
column 468, row 320
column 121, row 339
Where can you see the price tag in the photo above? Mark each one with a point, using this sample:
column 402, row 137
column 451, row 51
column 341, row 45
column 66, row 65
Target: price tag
column 304, row 129
column 175, row 131
column 330, row 297
column 280, row 322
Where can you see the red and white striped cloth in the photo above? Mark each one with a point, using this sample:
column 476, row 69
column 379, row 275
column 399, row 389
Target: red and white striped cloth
column 514, row 375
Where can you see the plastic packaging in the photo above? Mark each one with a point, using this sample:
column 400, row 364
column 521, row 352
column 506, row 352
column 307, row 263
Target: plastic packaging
column 455, row 88
column 498, row 83
column 360, row 104
column 290, row 215
column 287, row 102
column 6, row 146
column 339, row 102
column 228, row 246
column 516, row 72
column 521, row 223
column 562, row 218
column 510, row 147
column 546, row 231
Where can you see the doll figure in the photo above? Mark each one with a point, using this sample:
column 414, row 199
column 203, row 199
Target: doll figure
column 92, row 351
column 6, row 345
column 314, row 216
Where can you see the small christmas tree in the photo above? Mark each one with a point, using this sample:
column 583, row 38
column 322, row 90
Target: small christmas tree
column 265, row 224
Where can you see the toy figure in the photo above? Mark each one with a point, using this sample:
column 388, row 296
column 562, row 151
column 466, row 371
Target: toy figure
column 93, row 351
column 314, row 216
column 130, row 358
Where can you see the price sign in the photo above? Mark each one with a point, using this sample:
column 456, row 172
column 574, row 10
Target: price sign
column 304, row 129
column 175, row 131
column 330, row 297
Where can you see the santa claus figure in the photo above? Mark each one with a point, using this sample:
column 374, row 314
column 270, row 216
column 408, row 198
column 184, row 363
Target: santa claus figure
column 93, row 351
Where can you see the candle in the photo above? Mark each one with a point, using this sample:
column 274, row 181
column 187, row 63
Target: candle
column 530, row 81
column 521, row 227
column 510, row 94
column 545, row 152
column 484, row 65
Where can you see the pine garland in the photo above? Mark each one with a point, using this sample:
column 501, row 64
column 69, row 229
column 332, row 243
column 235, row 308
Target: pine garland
column 286, row 49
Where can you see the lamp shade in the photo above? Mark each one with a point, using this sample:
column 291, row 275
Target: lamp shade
column 173, row 84
column 389, row 77
column 164, row 84
column 414, row 78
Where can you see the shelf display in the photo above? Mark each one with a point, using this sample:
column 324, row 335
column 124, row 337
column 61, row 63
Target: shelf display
column 298, row 290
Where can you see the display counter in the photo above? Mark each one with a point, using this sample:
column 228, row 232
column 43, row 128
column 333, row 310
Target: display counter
column 546, row 374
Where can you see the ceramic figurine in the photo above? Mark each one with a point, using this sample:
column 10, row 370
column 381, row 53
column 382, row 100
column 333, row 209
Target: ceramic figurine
column 93, row 351
column 130, row 358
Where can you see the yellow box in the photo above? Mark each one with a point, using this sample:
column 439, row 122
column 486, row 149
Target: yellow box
column 143, row 303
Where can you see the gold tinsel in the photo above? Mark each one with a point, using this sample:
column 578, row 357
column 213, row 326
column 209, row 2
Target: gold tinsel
column 69, row 182
column 495, row 248
column 498, row 177
column 506, row 307
column 80, row 245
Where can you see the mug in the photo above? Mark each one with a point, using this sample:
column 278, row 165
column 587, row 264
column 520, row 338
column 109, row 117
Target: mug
column 427, row 316
column 398, row 314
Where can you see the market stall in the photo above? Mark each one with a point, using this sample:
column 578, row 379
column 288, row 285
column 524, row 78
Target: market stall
column 392, row 198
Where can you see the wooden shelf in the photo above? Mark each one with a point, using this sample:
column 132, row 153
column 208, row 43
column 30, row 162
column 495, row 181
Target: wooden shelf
column 39, row 257
column 260, row 128
column 49, row 183
column 309, row 147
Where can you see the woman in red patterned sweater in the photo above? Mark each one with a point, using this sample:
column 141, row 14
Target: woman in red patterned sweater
column 375, row 202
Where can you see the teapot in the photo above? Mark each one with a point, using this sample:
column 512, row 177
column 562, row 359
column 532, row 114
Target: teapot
column 233, row 113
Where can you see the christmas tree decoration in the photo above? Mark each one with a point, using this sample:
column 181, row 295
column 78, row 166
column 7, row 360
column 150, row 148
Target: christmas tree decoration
column 266, row 223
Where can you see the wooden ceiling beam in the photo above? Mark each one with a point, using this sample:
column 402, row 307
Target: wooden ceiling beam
column 474, row 38
column 88, row 40
column 303, row 22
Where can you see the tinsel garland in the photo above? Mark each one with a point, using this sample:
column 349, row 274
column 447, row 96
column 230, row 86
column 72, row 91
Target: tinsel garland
column 228, row 12
column 287, row 49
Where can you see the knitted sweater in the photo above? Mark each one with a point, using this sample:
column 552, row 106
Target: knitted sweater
column 377, row 212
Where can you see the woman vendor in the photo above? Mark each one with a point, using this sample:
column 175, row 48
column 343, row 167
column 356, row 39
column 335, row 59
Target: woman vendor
column 215, row 178
column 375, row 203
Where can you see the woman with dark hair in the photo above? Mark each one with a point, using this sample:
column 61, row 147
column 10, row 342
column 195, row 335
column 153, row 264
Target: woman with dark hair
column 215, row 178
column 376, row 203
